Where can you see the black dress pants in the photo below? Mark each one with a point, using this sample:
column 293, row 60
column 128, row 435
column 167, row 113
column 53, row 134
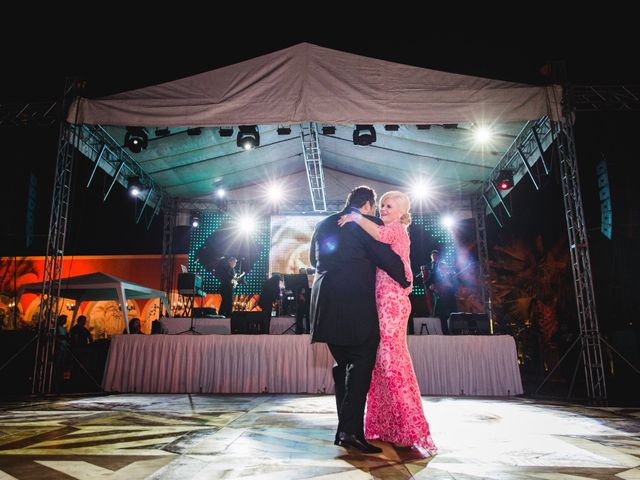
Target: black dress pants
column 352, row 377
column 226, row 303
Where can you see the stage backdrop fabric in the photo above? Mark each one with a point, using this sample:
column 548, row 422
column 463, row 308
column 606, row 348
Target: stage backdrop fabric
column 444, row 365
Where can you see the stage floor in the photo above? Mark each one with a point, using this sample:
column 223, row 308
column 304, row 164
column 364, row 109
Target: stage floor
column 291, row 437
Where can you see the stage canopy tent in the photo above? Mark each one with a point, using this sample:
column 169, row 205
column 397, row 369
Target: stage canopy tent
column 99, row 286
column 437, row 113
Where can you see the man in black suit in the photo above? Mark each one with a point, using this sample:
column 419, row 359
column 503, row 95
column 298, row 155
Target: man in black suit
column 343, row 308
column 440, row 289
column 270, row 293
column 226, row 274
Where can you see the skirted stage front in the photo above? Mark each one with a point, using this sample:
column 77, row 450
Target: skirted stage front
column 444, row 365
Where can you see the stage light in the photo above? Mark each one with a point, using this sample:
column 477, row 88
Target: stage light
column 195, row 219
column 450, row 125
column 194, row 131
column 136, row 139
column 162, row 132
column 221, row 193
column 423, row 127
column 284, row 130
column 448, row 222
column 329, row 130
column 247, row 224
column 248, row 137
column 134, row 187
column 225, row 131
column 275, row 193
column 482, row 134
column 364, row 135
column 392, row 128
column 421, row 190
column 504, row 180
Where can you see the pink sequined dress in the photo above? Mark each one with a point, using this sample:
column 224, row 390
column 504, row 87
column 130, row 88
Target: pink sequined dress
column 394, row 407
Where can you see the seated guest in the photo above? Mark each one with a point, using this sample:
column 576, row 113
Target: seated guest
column 156, row 327
column 80, row 334
column 134, row 326
column 81, row 339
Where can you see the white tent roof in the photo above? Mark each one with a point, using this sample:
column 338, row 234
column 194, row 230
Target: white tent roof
column 99, row 286
column 307, row 83
column 436, row 114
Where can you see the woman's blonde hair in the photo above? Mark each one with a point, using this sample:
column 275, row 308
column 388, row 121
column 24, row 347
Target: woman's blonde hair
column 403, row 205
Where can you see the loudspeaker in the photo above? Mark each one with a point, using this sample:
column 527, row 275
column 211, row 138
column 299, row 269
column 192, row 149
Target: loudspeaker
column 247, row 322
column 187, row 281
column 181, row 238
column 468, row 324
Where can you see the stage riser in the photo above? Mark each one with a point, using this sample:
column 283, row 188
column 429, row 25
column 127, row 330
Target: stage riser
column 461, row 365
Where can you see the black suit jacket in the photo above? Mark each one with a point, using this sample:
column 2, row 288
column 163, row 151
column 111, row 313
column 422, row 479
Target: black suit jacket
column 343, row 303
column 270, row 292
column 225, row 274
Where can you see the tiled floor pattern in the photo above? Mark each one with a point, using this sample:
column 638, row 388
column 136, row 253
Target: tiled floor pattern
column 291, row 437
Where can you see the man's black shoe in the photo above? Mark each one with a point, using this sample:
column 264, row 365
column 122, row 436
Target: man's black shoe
column 349, row 440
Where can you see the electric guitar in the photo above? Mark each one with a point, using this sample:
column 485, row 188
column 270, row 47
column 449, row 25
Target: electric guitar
column 236, row 279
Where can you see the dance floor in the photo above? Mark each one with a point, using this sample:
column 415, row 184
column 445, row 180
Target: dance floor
column 291, row 437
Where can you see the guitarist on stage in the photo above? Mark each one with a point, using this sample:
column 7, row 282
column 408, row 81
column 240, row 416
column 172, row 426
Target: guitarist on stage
column 439, row 288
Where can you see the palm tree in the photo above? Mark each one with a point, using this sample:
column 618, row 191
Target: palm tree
column 531, row 286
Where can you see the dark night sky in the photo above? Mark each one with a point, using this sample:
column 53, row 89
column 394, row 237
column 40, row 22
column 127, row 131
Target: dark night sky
column 114, row 54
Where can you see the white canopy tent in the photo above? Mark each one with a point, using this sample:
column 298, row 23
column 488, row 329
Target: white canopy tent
column 99, row 286
column 307, row 83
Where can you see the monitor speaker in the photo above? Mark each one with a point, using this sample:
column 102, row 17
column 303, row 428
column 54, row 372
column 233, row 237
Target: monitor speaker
column 246, row 322
column 468, row 324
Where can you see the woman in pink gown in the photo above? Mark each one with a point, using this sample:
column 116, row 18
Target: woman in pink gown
column 394, row 407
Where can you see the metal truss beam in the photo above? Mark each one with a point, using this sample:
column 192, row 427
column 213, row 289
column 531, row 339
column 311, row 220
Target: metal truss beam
column 299, row 207
column 525, row 151
column 599, row 98
column 101, row 148
column 459, row 202
column 313, row 165
column 32, row 114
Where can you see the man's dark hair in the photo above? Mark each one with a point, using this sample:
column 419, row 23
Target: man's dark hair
column 361, row 195
column 437, row 252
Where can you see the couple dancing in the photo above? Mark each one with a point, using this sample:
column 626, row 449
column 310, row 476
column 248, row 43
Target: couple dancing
column 360, row 307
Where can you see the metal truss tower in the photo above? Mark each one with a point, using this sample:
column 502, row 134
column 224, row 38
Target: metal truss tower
column 580, row 261
column 479, row 208
column 168, row 256
column 43, row 369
